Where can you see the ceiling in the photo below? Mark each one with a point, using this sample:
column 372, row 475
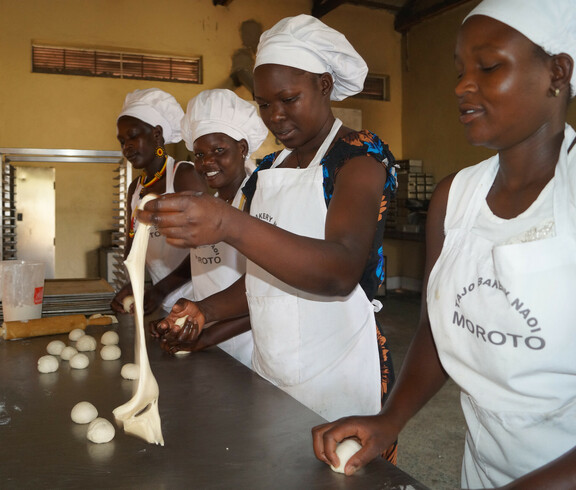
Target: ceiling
column 407, row 12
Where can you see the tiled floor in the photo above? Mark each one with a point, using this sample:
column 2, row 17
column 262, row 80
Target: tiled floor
column 432, row 444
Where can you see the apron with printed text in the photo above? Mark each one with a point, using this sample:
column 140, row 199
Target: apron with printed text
column 504, row 322
column 162, row 258
column 214, row 268
column 321, row 350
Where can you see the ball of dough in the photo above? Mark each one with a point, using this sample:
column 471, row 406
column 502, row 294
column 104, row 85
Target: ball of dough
column 110, row 352
column 55, row 347
column 79, row 361
column 83, row 413
column 86, row 343
column 100, row 431
column 345, row 450
column 48, row 364
column 181, row 321
column 130, row 371
column 75, row 334
column 127, row 303
column 68, row 353
column 110, row 338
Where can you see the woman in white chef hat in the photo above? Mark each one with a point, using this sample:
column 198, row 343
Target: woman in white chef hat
column 222, row 130
column 499, row 315
column 150, row 119
column 314, row 234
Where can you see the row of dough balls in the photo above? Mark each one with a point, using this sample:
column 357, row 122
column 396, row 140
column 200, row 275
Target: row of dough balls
column 84, row 343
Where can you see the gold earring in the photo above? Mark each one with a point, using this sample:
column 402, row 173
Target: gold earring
column 556, row 92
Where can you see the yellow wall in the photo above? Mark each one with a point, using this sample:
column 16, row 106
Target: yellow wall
column 56, row 111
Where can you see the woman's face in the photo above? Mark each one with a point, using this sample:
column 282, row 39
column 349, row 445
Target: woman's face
column 138, row 141
column 503, row 86
column 220, row 160
column 294, row 104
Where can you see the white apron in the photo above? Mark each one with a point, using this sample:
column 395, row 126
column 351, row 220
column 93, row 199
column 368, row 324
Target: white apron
column 214, row 268
column 504, row 321
column 161, row 258
column 321, row 350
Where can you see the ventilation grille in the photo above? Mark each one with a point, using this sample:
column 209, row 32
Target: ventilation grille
column 110, row 64
column 376, row 87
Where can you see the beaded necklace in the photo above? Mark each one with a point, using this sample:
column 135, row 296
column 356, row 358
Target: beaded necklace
column 157, row 176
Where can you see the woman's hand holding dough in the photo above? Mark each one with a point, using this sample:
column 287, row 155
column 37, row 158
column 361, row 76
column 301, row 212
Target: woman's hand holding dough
column 189, row 219
column 374, row 434
column 185, row 321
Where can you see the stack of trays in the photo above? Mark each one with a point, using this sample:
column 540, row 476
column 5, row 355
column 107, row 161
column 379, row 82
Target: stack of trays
column 74, row 296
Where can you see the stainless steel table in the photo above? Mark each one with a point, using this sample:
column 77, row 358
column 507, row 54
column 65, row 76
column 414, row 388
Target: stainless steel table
column 224, row 427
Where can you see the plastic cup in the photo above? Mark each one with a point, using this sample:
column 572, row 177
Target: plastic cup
column 22, row 286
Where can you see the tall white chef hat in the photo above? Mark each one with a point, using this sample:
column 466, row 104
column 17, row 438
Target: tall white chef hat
column 222, row 111
column 549, row 24
column 157, row 108
column 306, row 43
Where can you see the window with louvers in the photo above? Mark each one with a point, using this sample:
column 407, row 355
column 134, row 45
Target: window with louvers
column 112, row 64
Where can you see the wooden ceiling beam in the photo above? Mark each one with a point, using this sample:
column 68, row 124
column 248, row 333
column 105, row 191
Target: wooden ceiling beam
column 321, row 7
column 409, row 15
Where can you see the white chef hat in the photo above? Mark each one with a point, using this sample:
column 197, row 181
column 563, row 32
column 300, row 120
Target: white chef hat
column 306, row 43
column 222, row 111
column 549, row 24
column 157, row 108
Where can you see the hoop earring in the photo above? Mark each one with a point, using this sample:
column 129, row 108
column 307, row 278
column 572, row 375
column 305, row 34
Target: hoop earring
column 160, row 151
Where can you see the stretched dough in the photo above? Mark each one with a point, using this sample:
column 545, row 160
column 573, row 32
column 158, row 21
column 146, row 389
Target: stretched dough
column 345, row 450
column 48, row 364
column 83, row 413
column 140, row 416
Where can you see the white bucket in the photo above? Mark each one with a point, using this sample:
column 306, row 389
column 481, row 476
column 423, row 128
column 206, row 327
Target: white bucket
column 22, row 286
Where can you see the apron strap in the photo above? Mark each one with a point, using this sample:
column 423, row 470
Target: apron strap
column 572, row 145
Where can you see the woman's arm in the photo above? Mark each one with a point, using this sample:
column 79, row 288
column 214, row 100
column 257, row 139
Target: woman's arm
column 420, row 379
column 559, row 474
column 332, row 266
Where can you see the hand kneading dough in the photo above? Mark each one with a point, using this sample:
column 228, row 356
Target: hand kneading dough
column 79, row 361
column 83, row 413
column 86, row 343
column 68, row 353
column 127, row 303
column 100, row 431
column 55, row 347
column 110, row 352
column 48, row 364
column 345, row 450
column 110, row 338
column 130, row 371
column 75, row 334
